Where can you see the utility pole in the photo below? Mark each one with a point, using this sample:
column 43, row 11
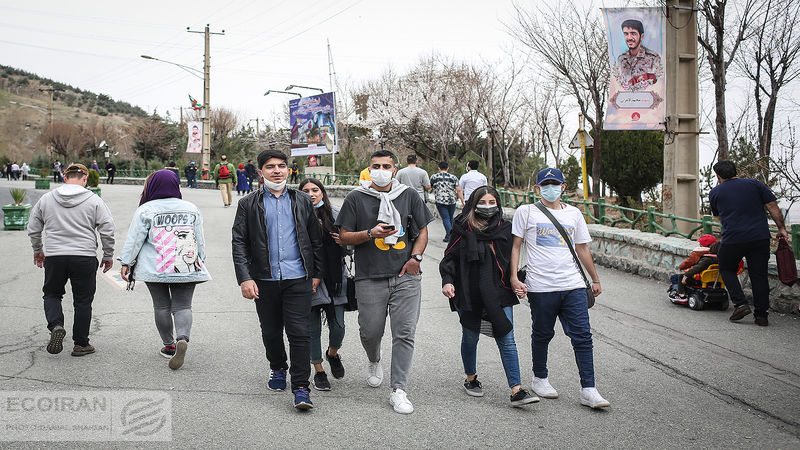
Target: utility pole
column 331, row 76
column 206, row 112
column 680, row 190
column 258, row 132
column 51, row 90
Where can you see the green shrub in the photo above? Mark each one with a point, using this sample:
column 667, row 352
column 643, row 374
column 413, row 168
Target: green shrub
column 18, row 195
column 94, row 178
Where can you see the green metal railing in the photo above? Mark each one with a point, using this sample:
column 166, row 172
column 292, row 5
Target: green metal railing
column 333, row 179
column 648, row 220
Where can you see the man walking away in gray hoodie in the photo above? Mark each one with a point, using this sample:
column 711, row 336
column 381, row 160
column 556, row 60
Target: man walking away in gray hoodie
column 69, row 216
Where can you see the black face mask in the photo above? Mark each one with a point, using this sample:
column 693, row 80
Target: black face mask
column 485, row 213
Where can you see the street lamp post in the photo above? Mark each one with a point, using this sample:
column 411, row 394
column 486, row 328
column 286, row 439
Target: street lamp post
column 282, row 92
column 292, row 86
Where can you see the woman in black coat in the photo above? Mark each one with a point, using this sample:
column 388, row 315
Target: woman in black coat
column 475, row 277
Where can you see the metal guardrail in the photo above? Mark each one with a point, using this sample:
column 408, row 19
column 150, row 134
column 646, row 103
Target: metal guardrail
column 649, row 220
column 333, row 179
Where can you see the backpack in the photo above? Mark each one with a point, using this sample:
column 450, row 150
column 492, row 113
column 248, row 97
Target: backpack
column 224, row 173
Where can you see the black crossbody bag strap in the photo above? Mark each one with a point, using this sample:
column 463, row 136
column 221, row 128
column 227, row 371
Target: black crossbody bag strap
column 567, row 239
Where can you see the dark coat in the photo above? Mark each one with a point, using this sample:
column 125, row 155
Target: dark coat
column 250, row 244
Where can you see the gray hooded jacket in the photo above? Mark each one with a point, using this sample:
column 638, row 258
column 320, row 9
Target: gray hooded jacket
column 68, row 216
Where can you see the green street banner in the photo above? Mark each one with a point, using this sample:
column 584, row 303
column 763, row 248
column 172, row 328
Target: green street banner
column 637, row 85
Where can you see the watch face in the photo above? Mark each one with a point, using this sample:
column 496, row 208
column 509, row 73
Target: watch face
column 418, row 257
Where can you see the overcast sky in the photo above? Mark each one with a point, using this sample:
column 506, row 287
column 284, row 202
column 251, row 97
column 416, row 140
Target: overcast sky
column 268, row 44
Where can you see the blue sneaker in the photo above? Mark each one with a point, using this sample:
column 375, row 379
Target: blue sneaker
column 301, row 399
column 277, row 380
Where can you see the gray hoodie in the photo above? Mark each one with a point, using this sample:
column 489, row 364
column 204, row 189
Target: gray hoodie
column 69, row 216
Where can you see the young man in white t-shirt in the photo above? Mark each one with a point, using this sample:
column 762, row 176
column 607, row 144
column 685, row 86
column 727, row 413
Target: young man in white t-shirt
column 554, row 284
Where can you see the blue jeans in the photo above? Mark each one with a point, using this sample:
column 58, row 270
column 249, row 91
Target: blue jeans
column 447, row 213
column 675, row 280
column 335, row 333
column 506, row 345
column 571, row 308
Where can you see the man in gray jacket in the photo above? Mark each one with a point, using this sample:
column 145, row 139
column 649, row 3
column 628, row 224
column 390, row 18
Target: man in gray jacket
column 69, row 216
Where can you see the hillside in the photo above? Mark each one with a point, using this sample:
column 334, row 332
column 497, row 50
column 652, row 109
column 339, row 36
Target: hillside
column 21, row 126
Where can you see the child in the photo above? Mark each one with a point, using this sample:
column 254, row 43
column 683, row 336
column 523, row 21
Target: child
column 688, row 277
column 705, row 242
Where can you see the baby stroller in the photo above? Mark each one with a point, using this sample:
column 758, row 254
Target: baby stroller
column 710, row 292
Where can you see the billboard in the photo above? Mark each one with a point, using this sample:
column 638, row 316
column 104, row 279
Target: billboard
column 636, row 55
column 313, row 124
column 195, row 132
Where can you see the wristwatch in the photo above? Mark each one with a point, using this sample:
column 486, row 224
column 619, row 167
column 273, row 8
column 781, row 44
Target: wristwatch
column 417, row 257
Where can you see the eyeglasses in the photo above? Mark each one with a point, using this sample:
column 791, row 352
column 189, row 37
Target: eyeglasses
column 377, row 166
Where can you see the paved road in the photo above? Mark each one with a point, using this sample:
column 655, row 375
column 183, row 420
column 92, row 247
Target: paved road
column 675, row 377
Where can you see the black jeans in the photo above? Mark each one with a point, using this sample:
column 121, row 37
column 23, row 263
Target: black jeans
column 757, row 255
column 81, row 272
column 286, row 304
column 110, row 178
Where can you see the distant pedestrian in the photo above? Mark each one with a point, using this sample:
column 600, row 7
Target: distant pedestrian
column 94, row 166
column 169, row 258
column 57, row 178
column 415, row 177
column 15, row 171
column 475, row 273
column 111, row 172
column 278, row 260
column 740, row 203
column 294, row 171
column 331, row 295
column 555, row 284
column 69, row 216
column 172, row 167
column 190, row 172
column 472, row 179
column 26, row 169
column 225, row 175
column 250, row 168
column 445, row 193
column 377, row 218
column 242, row 187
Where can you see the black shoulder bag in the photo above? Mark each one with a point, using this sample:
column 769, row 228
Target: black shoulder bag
column 350, row 288
column 565, row 236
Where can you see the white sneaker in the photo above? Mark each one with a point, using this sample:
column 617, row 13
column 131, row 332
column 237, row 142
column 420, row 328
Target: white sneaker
column 399, row 401
column 374, row 374
column 542, row 388
column 591, row 398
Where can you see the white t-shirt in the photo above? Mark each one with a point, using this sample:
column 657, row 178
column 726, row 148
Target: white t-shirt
column 551, row 266
column 470, row 181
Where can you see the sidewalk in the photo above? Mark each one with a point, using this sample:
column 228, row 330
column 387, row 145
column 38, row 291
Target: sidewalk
column 675, row 377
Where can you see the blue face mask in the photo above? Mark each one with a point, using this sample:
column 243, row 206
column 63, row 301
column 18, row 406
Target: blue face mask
column 319, row 205
column 551, row 192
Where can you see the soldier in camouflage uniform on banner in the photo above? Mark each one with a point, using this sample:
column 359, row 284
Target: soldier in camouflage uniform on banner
column 639, row 65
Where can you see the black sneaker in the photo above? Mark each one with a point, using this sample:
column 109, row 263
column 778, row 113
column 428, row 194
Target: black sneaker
column 56, row 343
column 522, row 397
column 321, row 382
column 302, row 400
column 740, row 312
column 168, row 351
column 762, row 321
column 473, row 388
column 337, row 369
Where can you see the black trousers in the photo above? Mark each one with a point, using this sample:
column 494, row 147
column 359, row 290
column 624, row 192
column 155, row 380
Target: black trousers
column 286, row 304
column 757, row 255
column 81, row 272
column 110, row 178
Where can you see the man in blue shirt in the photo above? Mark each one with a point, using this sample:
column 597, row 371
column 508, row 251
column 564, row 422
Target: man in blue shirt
column 277, row 256
column 739, row 203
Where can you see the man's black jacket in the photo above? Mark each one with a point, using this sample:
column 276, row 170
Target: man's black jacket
column 250, row 244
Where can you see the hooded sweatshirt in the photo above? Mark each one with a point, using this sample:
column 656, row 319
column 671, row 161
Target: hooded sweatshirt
column 69, row 216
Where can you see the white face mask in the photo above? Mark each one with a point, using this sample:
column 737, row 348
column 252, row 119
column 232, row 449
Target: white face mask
column 380, row 177
column 551, row 192
column 273, row 186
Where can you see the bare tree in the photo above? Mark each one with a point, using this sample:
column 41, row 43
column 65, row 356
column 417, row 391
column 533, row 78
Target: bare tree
column 152, row 140
column 223, row 123
column 721, row 46
column 570, row 40
column 770, row 61
column 786, row 165
column 548, row 128
column 63, row 137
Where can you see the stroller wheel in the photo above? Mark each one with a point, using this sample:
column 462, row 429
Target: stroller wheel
column 696, row 303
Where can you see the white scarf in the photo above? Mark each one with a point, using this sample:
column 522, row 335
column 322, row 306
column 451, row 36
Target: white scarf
column 387, row 213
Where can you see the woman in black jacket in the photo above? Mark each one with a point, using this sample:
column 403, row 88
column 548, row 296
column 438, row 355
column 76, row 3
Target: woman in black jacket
column 475, row 277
